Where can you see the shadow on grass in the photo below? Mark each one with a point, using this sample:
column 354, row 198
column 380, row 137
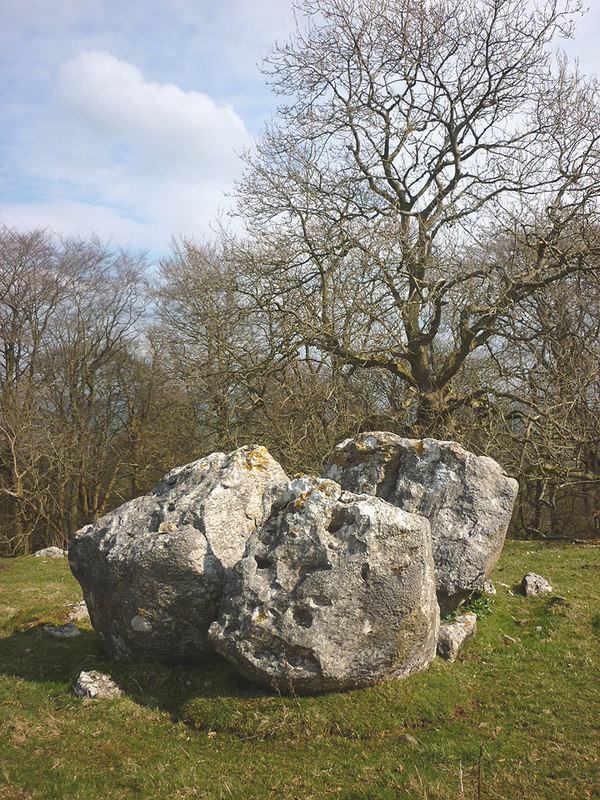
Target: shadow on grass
column 34, row 655
column 212, row 697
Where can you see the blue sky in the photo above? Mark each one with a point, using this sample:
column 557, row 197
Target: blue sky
column 125, row 117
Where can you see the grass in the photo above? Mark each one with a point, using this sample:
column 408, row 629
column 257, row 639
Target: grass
column 516, row 716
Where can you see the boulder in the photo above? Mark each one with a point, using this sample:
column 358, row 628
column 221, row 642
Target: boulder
column 534, row 585
column 96, row 685
column 152, row 571
column 454, row 633
column 334, row 591
column 467, row 499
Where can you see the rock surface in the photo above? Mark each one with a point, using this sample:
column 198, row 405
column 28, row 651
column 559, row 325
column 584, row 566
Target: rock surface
column 50, row 552
column 454, row 633
column 152, row 571
column 97, row 686
column 67, row 631
column 534, row 585
column 78, row 610
column 467, row 499
column 335, row 591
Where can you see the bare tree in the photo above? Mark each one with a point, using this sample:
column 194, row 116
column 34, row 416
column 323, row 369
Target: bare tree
column 415, row 136
column 68, row 317
column 31, row 289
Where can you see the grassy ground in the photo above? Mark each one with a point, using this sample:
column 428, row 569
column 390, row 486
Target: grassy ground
column 517, row 716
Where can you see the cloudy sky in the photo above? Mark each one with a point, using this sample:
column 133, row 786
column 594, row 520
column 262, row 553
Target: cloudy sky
column 126, row 117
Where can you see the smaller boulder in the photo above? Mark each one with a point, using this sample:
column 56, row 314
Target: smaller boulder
column 50, row 552
column 454, row 633
column 97, row 686
column 534, row 585
column 468, row 500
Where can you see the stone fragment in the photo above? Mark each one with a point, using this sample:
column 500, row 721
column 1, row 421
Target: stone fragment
column 467, row 499
column 454, row 633
column 97, row 686
column 489, row 588
column 67, row 631
column 50, row 552
column 152, row 571
column 534, row 585
column 334, row 591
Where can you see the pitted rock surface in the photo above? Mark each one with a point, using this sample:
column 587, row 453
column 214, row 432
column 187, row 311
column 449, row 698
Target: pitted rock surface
column 334, row 591
column 153, row 570
column 467, row 499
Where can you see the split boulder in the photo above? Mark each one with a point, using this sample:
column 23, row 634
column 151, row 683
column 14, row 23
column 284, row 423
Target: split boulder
column 334, row 591
column 467, row 499
column 152, row 571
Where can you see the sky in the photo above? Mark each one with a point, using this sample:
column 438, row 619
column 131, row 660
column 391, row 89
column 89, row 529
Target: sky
column 126, row 118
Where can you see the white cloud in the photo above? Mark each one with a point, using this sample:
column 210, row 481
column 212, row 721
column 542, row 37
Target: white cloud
column 129, row 159
column 162, row 129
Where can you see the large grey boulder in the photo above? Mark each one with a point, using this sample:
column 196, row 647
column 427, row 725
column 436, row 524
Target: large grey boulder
column 467, row 499
column 152, row 571
column 335, row 591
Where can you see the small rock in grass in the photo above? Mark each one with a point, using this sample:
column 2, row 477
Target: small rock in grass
column 454, row 633
column 67, row 631
column 78, row 610
column 97, row 686
column 410, row 741
column 534, row 585
column 489, row 588
column 50, row 552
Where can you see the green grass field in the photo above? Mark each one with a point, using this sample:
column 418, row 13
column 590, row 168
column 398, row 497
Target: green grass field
column 516, row 716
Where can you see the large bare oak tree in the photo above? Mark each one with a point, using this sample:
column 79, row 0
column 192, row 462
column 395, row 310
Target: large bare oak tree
column 432, row 167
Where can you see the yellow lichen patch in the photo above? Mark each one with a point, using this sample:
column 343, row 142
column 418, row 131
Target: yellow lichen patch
column 420, row 447
column 299, row 501
column 258, row 458
column 167, row 527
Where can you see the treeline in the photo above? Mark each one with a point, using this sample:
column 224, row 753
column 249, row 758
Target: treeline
column 109, row 379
